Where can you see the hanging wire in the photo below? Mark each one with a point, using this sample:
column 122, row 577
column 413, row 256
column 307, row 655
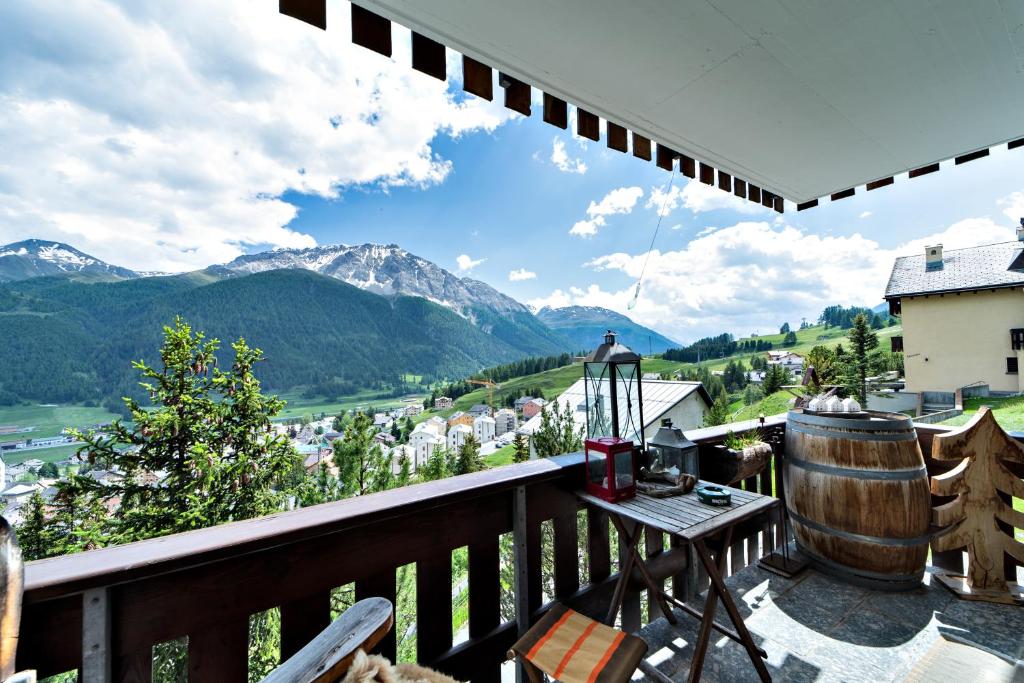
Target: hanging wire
column 667, row 193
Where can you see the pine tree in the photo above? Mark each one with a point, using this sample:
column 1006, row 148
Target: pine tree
column 522, row 448
column 775, row 377
column 468, row 457
column 437, row 466
column 862, row 340
column 34, row 533
column 719, row 413
column 557, row 433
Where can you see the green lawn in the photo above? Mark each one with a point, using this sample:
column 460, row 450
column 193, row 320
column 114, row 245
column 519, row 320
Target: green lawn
column 1009, row 412
column 54, row 454
column 50, row 420
column 298, row 406
column 769, row 405
column 502, row 456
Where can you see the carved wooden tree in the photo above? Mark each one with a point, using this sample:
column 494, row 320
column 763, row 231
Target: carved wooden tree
column 982, row 447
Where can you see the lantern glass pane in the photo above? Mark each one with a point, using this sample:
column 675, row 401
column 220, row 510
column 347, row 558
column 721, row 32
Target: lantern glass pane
column 599, row 407
column 597, row 468
column 623, row 469
column 627, row 380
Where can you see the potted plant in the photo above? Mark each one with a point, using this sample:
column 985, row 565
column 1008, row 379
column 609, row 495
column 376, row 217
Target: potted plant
column 739, row 456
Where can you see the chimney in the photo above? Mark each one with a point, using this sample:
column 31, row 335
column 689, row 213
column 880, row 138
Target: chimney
column 1020, row 231
column 933, row 257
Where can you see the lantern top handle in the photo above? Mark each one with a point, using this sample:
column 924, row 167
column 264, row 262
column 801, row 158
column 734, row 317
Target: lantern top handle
column 611, row 351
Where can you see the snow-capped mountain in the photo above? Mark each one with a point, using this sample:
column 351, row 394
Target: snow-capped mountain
column 390, row 270
column 37, row 258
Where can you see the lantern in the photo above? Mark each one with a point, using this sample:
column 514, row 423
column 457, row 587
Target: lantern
column 611, row 468
column 611, row 377
column 672, row 452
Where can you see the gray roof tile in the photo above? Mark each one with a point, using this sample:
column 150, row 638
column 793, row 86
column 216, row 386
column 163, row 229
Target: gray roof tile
column 963, row 269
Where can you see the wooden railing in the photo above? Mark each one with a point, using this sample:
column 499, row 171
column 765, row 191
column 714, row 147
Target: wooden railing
column 104, row 610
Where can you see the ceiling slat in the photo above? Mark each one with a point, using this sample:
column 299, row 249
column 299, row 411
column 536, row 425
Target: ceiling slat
column 477, row 78
column 313, row 12
column 517, row 94
column 780, row 204
column 971, row 157
column 767, row 199
column 556, row 111
column 665, row 157
column 739, row 188
column 588, row 125
column 641, row 147
column 924, row 170
column 370, row 30
column 1014, row 144
column 428, row 56
column 843, row 194
column 707, row 174
column 807, row 205
column 617, row 137
column 881, row 182
column 724, row 181
column 754, row 193
column 688, row 166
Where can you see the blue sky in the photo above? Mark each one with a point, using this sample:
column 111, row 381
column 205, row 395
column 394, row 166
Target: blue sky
column 169, row 138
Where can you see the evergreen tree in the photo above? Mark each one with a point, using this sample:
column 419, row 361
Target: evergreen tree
column 521, row 446
column 789, row 339
column 719, row 413
column 784, row 329
column 404, row 476
column 359, row 459
column 557, row 433
column 862, row 341
column 468, row 457
column 751, row 395
column 437, row 466
column 34, row 533
column 775, row 377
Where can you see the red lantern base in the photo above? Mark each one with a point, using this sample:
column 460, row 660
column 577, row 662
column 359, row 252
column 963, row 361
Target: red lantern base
column 602, row 479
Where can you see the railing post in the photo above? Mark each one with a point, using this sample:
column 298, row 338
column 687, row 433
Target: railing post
column 519, row 561
column 96, row 654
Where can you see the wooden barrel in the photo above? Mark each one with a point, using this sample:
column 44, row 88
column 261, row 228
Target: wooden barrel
column 857, row 496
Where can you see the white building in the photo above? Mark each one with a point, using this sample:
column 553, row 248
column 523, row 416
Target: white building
column 424, row 442
column 483, row 428
column 457, row 436
column 792, row 362
column 505, row 420
column 396, row 458
column 413, row 410
column 685, row 403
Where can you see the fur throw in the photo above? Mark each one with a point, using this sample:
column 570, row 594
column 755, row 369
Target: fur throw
column 376, row 669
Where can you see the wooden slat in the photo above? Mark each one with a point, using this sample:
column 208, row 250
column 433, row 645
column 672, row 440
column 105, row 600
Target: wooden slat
column 303, row 620
column 556, row 111
column 631, row 616
column 765, row 488
column 654, row 543
column 750, row 484
column 428, row 56
column 924, row 170
column 963, row 159
column 641, row 147
column 382, row 586
column 97, row 651
column 484, row 588
column 843, row 194
column 881, row 182
column 534, row 592
column 220, row 653
column 567, row 563
column 807, row 205
column 739, row 188
column 617, row 137
column 135, row 667
column 1014, row 144
column 313, row 12
column 371, row 31
column 588, row 125
column 779, row 205
column 517, row 94
column 598, row 544
column 433, row 606
column 707, row 174
column 724, row 181
column 477, row 78
column 665, row 156
column 680, row 582
column 687, row 166
column 767, row 199
column 754, row 193
column 61, row 649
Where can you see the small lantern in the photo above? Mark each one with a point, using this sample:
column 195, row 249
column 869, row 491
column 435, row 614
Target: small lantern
column 611, row 380
column 611, row 468
column 672, row 452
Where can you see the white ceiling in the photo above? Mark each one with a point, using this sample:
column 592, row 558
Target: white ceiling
column 802, row 97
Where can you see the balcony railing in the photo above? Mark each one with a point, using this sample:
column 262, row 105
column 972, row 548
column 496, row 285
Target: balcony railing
column 109, row 607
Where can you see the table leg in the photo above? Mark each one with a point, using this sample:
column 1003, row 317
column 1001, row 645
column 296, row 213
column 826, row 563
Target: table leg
column 620, row 586
column 718, row 587
column 652, row 587
column 710, row 605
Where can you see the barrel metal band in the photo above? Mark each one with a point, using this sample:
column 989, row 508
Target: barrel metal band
column 878, row 540
column 853, row 436
column 851, row 473
column 848, row 571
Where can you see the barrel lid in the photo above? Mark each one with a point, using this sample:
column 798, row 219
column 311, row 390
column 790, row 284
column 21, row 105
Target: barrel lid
column 876, row 420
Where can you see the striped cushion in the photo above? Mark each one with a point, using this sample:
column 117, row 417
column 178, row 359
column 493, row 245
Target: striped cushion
column 573, row 648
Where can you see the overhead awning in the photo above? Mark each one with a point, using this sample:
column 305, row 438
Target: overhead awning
column 796, row 99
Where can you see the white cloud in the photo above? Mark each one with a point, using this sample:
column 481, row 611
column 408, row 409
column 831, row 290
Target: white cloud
column 1014, row 204
column 521, row 274
column 466, row 264
column 563, row 162
column 619, row 201
column 865, row 214
column 753, row 275
column 165, row 140
column 698, row 198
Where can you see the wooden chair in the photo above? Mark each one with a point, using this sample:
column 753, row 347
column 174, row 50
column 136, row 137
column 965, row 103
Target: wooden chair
column 325, row 659
column 572, row 648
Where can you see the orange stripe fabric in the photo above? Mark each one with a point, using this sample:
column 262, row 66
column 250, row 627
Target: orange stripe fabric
column 575, row 647
column 619, row 637
column 547, row 636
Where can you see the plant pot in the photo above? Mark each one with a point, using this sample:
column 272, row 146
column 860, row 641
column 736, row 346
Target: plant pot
column 723, row 465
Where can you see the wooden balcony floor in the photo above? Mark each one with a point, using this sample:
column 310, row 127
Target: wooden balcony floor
column 815, row 628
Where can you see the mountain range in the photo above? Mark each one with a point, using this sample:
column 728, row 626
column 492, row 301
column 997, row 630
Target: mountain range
column 585, row 327
column 333, row 320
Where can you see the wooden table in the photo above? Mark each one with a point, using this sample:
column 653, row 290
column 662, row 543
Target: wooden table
column 692, row 522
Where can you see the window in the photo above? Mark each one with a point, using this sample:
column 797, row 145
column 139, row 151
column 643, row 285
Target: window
column 1011, row 365
column 896, row 344
column 1017, row 339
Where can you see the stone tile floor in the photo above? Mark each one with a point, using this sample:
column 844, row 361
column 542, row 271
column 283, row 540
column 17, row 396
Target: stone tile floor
column 816, row 628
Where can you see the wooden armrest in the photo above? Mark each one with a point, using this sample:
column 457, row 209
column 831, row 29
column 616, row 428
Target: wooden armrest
column 327, row 657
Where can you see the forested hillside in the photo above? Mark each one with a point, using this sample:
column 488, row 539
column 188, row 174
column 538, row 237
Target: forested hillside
column 69, row 341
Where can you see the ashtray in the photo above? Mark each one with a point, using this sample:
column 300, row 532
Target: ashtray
column 713, row 495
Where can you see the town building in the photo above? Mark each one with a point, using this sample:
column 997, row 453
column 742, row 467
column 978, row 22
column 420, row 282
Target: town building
column 424, row 442
column 483, row 428
column 413, row 410
column 382, row 421
column 457, row 436
column 533, row 407
column 384, row 438
column 505, row 421
column 479, row 409
column 442, row 403
column 460, row 418
column 520, row 402
column 963, row 317
column 439, row 424
column 792, row 362
column 397, row 453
